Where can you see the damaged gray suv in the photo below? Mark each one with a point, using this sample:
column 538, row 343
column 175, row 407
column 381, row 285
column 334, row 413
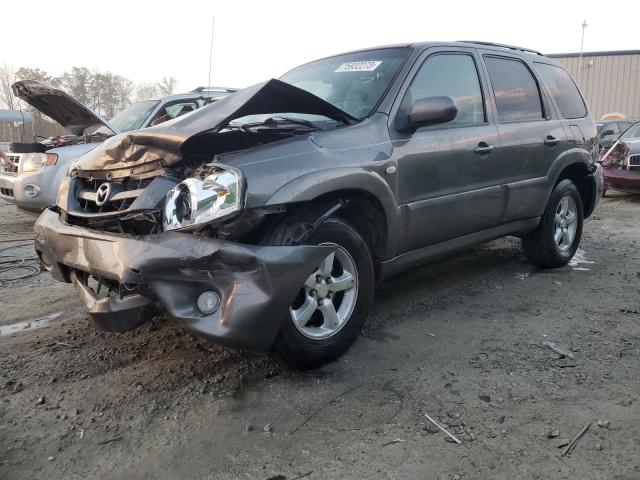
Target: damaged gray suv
column 265, row 220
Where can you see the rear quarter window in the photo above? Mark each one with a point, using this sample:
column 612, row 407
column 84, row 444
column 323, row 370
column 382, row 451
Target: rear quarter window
column 563, row 90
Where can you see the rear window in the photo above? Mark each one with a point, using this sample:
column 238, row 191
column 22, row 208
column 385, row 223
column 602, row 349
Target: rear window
column 515, row 90
column 563, row 90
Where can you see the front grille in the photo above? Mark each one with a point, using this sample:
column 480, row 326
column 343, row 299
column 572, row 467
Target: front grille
column 93, row 197
column 110, row 212
column 11, row 164
column 7, row 192
column 634, row 160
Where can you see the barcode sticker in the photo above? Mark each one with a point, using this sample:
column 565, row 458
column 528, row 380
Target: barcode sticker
column 366, row 66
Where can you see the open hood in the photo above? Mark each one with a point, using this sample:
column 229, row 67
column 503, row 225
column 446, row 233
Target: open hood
column 162, row 145
column 56, row 104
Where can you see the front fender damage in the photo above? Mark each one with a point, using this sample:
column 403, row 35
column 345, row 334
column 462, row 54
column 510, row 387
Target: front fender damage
column 256, row 283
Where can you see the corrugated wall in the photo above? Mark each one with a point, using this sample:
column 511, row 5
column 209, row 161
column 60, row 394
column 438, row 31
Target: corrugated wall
column 610, row 83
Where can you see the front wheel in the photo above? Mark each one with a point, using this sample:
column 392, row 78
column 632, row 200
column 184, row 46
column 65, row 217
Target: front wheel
column 332, row 305
column 554, row 242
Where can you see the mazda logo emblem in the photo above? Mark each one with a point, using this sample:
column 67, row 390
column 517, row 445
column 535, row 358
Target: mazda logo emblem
column 103, row 194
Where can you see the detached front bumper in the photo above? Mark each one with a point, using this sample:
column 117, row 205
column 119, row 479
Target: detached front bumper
column 256, row 284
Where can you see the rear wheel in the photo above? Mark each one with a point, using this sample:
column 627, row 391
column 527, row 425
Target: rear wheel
column 332, row 304
column 556, row 239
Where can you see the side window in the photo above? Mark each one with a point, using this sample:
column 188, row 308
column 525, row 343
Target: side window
column 623, row 126
column 450, row 75
column 610, row 130
column 172, row 111
column 515, row 89
column 563, row 90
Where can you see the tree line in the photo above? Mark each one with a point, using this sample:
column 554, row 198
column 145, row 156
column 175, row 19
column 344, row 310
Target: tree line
column 105, row 93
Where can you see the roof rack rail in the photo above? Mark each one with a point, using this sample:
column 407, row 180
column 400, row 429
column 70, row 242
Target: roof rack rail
column 502, row 45
column 215, row 89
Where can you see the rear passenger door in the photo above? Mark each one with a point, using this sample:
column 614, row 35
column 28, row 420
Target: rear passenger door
column 446, row 172
column 531, row 134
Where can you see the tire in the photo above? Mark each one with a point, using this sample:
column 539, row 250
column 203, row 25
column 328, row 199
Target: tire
column 542, row 246
column 304, row 346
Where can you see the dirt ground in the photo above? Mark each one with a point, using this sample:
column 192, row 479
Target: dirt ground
column 460, row 340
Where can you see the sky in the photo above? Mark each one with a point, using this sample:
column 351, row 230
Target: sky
column 257, row 40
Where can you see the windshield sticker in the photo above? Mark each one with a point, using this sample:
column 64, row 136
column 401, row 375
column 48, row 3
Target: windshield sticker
column 366, row 66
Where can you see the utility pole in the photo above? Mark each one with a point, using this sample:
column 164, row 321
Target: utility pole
column 584, row 26
column 211, row 53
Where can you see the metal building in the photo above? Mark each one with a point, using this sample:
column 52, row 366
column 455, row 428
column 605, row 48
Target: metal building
column 610, row 81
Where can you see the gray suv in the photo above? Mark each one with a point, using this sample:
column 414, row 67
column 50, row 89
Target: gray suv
column 265, row 220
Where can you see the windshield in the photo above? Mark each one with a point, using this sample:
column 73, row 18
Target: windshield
column 354, row 82
column 632, row 132
column 132, row 117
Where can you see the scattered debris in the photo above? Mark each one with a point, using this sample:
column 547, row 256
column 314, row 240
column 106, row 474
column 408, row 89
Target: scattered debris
column 572, row 445
column 449, row 434
column 598, row 446
column 603, row 423
column 267, row 428
column 628, row 311
column 394, row 441
column 553, row 433
column 522, row 276
column 111, row 440
column 322, row 407
column 558, row 350
column 561, row 442
column 485, row 398
column 51, row 459
column 40, row 401
column 249, row 427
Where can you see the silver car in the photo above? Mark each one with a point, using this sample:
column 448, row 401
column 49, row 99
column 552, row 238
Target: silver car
column 30, row 173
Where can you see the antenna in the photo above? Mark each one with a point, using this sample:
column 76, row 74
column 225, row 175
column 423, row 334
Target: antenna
column 213, row 20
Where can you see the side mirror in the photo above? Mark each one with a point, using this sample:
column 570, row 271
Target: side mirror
column 427, row 111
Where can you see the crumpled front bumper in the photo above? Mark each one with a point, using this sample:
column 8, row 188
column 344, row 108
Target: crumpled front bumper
column 256, row 284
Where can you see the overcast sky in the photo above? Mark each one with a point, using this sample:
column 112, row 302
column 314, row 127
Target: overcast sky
column 256, row 40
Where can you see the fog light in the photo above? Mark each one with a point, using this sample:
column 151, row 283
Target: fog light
column 208, row 302
column 31, row 190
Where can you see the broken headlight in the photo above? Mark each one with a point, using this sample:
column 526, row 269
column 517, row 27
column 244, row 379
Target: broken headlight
column 196, row 202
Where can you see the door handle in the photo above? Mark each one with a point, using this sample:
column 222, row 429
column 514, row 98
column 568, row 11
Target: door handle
column 551, row 141
column 484, row 148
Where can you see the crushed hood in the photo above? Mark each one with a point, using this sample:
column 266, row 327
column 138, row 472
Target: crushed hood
column 59, row 106
column 162, row 145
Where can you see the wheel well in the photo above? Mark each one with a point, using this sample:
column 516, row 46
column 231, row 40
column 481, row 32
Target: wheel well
column 361, row 209
column 578, row 173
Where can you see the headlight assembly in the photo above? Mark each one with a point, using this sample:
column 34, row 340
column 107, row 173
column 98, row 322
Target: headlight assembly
column 194, row 202
column 33, row 162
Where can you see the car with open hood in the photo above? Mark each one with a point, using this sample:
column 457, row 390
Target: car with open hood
column 265, row 220
column 31, row 172
column 621, row 163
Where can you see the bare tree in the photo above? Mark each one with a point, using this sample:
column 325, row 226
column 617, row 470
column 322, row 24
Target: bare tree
column 145, row 91
column 7, row 77
column 167, row 86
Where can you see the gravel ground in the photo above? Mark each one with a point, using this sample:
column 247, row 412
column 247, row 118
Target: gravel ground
column 460, row 340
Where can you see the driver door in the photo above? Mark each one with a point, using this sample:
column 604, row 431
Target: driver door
column 449, row 174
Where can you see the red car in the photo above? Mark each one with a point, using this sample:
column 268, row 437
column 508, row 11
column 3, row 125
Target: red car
column 621, row 164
